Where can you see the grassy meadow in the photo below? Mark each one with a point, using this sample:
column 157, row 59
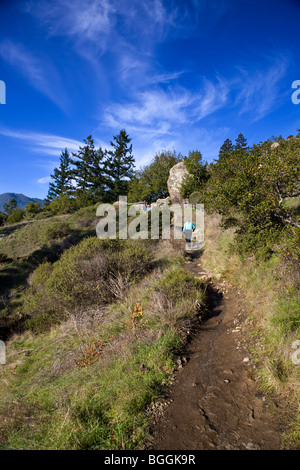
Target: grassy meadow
column 96, row 328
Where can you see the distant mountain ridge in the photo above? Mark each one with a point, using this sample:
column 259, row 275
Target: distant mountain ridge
column 22, row 200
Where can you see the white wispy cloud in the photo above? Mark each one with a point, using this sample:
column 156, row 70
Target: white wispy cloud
column 160, row 110
column 89, row 22
column 149, row 107
column 95, row 19
column 38, row 71
column 106, row 23
column 213, row 96
column 168, row 119
column 44, row 180
column 260, row 88
column 44, row 144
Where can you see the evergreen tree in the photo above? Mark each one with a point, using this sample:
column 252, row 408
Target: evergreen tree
column 9, row 207
column 97, row 175
column 119, row 166
column 225, row 150
column 89, row 172
column 197, row 174
column 62, row 176
column 241, row 143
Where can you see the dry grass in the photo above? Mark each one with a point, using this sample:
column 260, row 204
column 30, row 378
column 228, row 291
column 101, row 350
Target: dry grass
column 272, row 299
column 55, row 404
column 216, row 245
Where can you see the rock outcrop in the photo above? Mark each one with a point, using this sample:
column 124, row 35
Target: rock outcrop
column 274, row 145
column 176, row 175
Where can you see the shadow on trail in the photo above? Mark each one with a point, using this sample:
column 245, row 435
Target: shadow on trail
column 214, row 298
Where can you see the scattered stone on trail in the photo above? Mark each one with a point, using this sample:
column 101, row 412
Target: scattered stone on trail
column 176, row 175
column 251, row 446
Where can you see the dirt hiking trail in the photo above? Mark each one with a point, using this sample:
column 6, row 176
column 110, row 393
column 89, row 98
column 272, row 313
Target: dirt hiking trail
column 214, row 402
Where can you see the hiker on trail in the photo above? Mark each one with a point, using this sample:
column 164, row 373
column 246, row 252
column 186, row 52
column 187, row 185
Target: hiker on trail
column 145, row 206
column 188, row 229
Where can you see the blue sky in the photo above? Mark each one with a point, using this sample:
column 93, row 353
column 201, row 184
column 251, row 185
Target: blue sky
column 176, row 74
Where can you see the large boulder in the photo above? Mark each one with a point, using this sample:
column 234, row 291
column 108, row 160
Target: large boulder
column 274, row 145
column 176, row 175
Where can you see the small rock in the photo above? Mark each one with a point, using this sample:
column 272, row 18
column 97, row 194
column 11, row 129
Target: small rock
column 246, row 360
column 251, row 446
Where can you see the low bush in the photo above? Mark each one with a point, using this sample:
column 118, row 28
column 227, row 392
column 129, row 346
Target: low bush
column 177, row 283
column 57, row 230
column 3, row 258
column 86, row 274
column 16, row 216
column 175, row 294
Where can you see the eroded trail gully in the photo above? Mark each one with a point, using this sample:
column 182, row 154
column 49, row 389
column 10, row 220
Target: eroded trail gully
column 214, row 402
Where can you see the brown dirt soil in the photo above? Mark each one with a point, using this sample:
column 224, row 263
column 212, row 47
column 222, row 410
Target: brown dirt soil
column 214, row 402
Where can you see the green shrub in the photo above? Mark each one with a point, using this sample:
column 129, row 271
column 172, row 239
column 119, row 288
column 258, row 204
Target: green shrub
column 57, row 230
column 2, row 218
column 61, row 205
column 32, row 209
column 176, row 283
column 91, row 273
column 84, row 213
column 3, row 258
column 16, row 216
column 41, row 323
column 195, row 197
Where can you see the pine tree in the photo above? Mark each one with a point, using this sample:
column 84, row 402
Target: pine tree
column 119, row 166
column 97, row 175
column 225, row 150
column 62, row 177
column 89, row 172
column 9, row 207
column 241, row 143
